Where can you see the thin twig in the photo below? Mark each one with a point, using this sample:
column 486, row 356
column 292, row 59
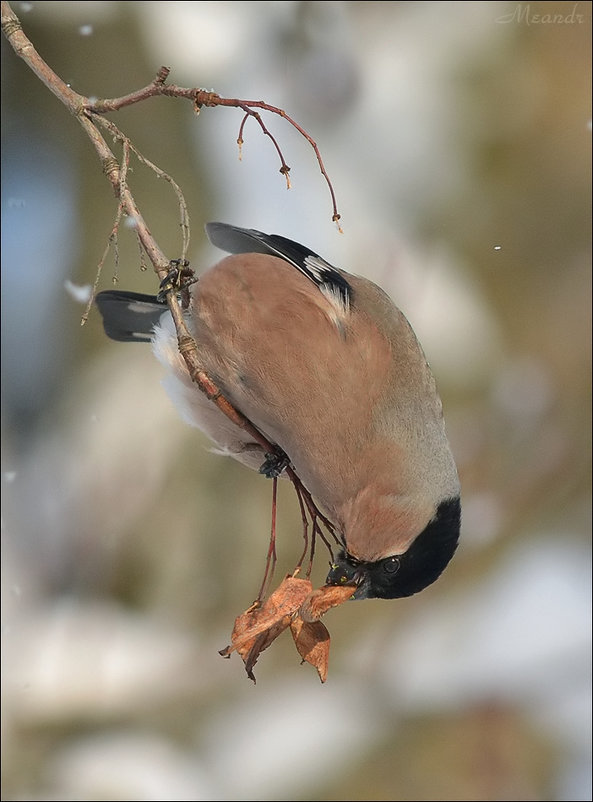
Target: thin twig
column 284, row 168
column 183, row 211
column 202, row 98
column 89, row 115
column 271, row 555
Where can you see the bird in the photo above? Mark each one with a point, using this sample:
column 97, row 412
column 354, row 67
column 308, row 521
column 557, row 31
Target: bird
column 329, row 370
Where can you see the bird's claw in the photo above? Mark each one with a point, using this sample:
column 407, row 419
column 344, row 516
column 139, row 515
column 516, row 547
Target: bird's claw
column 179, row 278
column 274, row 464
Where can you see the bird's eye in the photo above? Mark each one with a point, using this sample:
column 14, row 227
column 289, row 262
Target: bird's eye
column 391, row 566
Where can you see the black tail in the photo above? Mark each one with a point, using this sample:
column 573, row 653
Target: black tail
column 129, row 316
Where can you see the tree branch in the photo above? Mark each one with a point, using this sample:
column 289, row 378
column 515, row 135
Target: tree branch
column 202, row 98
column 88, row 112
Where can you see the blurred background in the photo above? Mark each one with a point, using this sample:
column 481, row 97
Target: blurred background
column 457, row 137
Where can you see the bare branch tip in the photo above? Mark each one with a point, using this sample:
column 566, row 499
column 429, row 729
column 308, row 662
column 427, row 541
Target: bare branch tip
column 162, row 75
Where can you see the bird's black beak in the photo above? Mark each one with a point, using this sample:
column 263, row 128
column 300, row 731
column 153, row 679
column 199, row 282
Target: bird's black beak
column 349, row 571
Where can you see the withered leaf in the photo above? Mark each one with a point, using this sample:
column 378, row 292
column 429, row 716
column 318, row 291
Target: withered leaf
column 311, row 639
column 296, row 605
column 258, row 627
column 251, row 650
column 319, row 601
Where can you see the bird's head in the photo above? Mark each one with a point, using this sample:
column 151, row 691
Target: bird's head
column 404, row 574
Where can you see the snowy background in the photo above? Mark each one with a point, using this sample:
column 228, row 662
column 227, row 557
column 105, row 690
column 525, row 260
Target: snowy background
column 457, row 137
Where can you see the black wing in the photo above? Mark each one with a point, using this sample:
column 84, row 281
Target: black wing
column 247, row 240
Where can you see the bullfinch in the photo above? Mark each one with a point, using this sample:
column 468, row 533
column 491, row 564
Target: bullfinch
column 329, row 370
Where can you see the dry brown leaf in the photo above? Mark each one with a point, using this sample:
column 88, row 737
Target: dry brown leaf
column 294, row 603
column 319, row 601
column 251, row 651
column 311, row 639
column 257, row 628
